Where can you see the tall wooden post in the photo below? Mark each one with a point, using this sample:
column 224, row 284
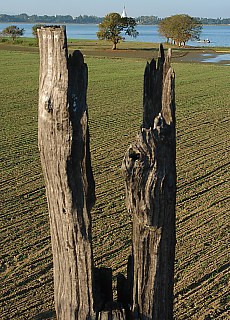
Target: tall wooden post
column 150, row 179
column 63, row 138
column 82, row 293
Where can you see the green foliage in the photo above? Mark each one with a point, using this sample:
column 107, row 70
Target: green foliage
column 82, row 19
column 49, row 19
column 180, row 28
column 35, row 32
column 35, row 28
column 146, row 20
column 13, row 32
column 2, row 38
column 112, row 26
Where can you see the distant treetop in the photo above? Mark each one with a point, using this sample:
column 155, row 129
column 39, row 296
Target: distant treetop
column 50, row 19
column 85, row 19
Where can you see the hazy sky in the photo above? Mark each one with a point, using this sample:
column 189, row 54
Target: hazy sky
column 134, row 8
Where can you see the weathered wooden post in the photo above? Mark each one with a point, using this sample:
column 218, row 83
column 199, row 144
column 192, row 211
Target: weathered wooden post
column 82, row 292
column 65, row 157
column 150, row 179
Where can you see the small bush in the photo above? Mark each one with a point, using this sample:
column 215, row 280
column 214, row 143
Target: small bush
column 3, row 39
column 18, row 41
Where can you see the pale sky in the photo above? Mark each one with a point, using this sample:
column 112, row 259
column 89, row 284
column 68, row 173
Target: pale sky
column 134, row 8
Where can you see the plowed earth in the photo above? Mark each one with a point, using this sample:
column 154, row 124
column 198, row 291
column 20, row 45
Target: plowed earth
column 115, row 105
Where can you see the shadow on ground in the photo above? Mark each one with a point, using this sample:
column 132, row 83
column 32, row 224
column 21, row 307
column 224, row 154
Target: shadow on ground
column 47, row 315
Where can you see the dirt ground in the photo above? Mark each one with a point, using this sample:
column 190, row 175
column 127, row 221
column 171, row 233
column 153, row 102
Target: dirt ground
column 188, row 54
column 198, row 56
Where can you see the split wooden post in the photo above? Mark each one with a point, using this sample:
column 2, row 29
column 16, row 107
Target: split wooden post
column 63, row 139
column 150, row 178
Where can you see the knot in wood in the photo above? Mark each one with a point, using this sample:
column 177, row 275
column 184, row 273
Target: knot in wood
column 49, row 105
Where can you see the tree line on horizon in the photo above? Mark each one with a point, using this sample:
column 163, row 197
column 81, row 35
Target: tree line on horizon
column 85, row 19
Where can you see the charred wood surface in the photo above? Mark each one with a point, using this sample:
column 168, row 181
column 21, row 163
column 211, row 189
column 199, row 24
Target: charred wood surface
column 150, row 180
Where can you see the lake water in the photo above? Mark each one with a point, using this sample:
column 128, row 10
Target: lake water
column 209, row 57
column 219, row 36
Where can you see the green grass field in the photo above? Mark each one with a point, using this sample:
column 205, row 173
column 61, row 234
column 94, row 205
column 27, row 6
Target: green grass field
column 115, row 113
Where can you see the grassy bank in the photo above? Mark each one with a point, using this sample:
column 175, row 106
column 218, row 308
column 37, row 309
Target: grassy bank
column 115, row 103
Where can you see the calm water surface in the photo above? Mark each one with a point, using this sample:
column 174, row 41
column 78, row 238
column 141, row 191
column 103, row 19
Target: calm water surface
column 219, row 36
column 209, row 57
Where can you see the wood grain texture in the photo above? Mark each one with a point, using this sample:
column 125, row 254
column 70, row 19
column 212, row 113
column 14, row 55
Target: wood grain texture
column 150, row 180
column 65, row 157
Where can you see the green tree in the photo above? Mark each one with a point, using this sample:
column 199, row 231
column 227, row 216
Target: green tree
column 13, row 32
column 180, row 28
column 112, row 26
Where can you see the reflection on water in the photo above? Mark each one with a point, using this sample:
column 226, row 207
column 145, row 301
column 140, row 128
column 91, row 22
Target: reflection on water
column 215, row 58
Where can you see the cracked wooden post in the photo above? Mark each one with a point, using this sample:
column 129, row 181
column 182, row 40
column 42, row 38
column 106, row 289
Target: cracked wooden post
column 63, row 139
column 150, row 179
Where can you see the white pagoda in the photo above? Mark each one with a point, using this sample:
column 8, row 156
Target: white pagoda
column 124, row 13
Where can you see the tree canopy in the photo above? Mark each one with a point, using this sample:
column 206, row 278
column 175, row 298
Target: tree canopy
column 13, row 31
column 35, row 30
column 112, row 26
column 180, row 28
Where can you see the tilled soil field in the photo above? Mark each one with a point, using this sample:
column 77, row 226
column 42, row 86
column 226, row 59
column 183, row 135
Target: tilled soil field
column 115, row 107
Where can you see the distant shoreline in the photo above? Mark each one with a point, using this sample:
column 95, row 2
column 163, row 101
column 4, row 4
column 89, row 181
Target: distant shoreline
column 95, row 24
column 92, row 19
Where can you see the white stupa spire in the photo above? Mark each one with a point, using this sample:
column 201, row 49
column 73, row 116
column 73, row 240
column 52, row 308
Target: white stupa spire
column 124, row 13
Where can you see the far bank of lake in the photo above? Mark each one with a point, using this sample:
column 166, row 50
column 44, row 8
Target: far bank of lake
column 218, row 35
